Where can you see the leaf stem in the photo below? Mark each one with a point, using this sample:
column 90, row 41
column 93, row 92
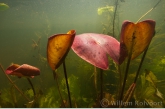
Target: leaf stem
column 31, row 86
column 66, row 78
column 101, row 85
column 15, row 86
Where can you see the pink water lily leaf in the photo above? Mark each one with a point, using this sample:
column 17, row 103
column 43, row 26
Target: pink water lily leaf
column 24, row 70
column 94, row 48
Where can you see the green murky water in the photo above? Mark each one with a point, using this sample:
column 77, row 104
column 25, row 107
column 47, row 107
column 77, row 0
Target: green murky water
column 24, row 31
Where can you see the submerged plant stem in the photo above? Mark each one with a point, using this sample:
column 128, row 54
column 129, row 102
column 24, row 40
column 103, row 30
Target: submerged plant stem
column 120, row 82
column 148, row 11
column 114, row 18
column 141, row 62
column 127, row 68
column 128, row 94
column 101, row 85
column 31, row 86
column 14, row 84
column 125, row 78
column 13, row 97
column 54, row 73
column 66, row 78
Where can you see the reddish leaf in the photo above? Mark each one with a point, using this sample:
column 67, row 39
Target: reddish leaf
column 24, row 70
column 94, row 48
column 136, row 37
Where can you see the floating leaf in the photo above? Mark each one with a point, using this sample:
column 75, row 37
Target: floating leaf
column 94, row 48
column 58, row 47
column 136, row 37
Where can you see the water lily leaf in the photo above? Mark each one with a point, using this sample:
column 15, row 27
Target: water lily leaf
column 58, row 47
column 94, row 48
column 23, row 70
column 136, row 37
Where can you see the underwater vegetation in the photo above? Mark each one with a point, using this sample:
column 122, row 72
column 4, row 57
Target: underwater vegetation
column 22, row 70
column 105, row 9
column 107, row 80
column 132, row 37
column 3, row 6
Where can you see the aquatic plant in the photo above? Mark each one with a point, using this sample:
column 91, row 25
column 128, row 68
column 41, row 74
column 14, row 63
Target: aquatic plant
column 50, row 99
column 148, row 90
column 58, row 47
column 14, row 85
column 106, row 53
column 105, row 9
column 149, row 11
column 24, row 70
column 3, row 6
column 103, row 44
column 36, row 44
column 114, row 18
column 134, row 39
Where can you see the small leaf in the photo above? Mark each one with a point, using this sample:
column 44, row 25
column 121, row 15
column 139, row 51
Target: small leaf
column 149, row 91
column 159, row 94
column 58, row 47
column 23, row 70
column 151, row 77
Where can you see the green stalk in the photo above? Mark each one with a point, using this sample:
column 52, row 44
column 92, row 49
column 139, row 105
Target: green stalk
column 66, row 79
column 55, row 78
column 141, row 62
column 127, row 68
column 148, row 11
column 101, row 85
column 120, row 83
column 31, row 86
column 125, row 77
column 15, row 86
column 128, row 94
column 114, row 18
column 13, row 97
